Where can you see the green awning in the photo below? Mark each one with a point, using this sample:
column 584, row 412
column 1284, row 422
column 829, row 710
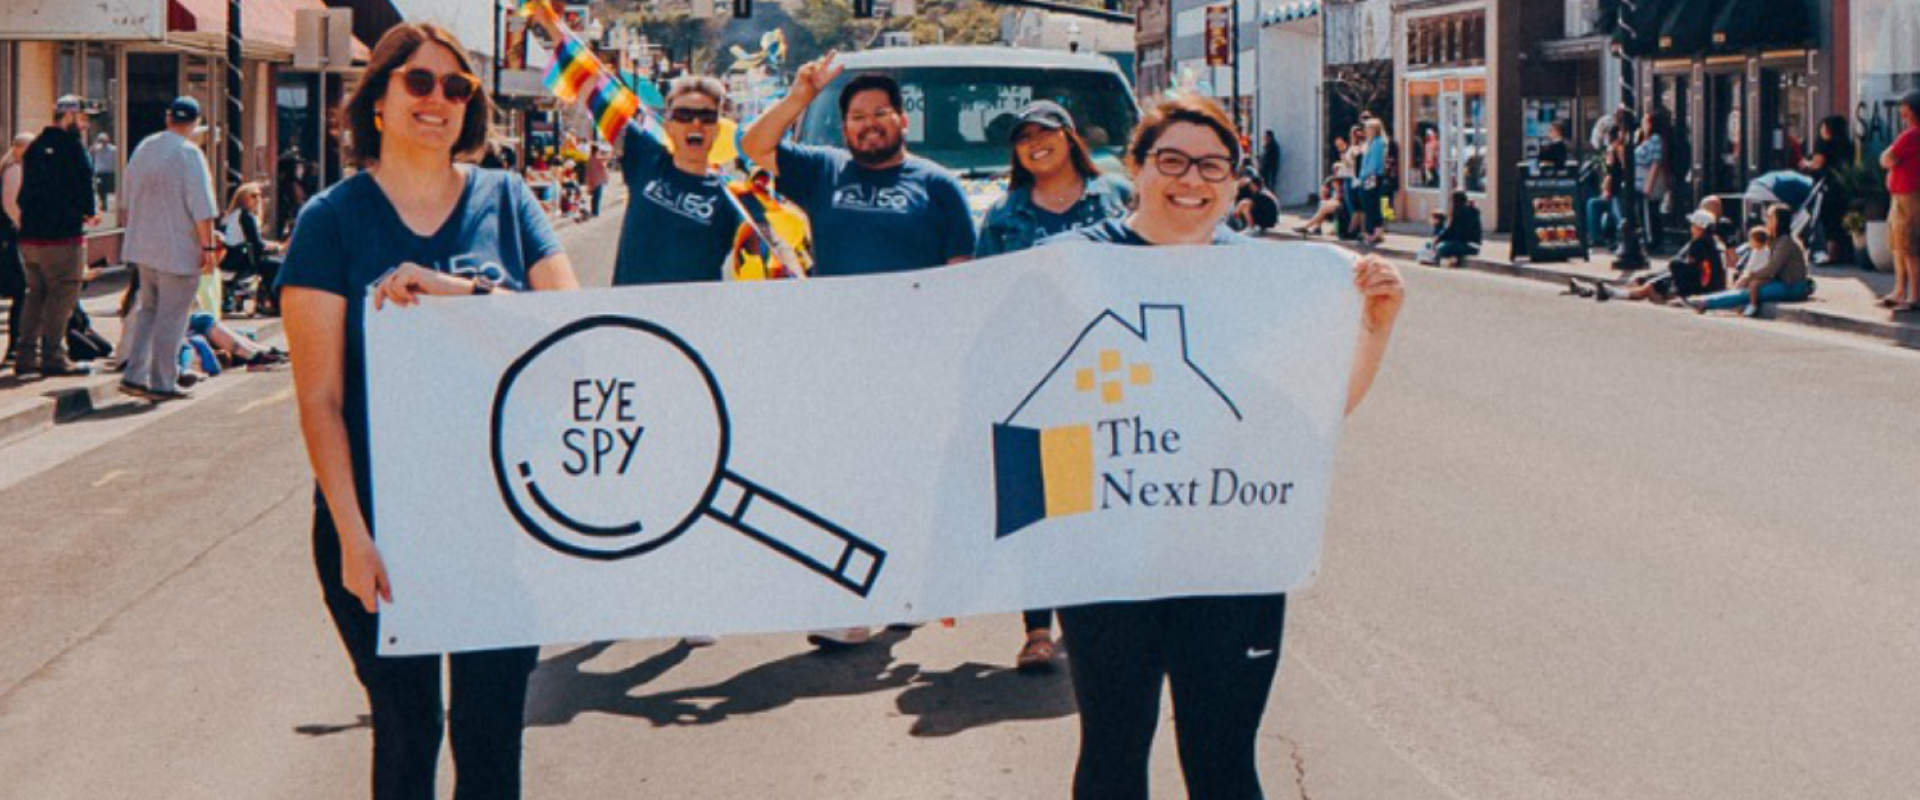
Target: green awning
column 1759, row 24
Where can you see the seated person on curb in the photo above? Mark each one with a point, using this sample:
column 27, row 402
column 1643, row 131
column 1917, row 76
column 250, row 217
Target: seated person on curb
column 1777, row 270
column 1698, row 269
column 1455, row 236
column 1255, row 208
column 1333, row 203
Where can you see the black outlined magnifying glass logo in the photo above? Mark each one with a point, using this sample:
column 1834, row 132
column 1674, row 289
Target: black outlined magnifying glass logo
column 610, row 439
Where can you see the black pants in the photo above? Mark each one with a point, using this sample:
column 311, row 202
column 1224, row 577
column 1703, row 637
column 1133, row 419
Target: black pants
column 1219, row 653
column 485, row 718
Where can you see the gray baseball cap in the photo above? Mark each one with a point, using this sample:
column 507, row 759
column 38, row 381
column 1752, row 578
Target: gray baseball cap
column 70, row 103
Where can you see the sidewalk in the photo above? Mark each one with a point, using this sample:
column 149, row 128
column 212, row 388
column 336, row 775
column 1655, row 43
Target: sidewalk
column 1844, row 300
column 36, row 403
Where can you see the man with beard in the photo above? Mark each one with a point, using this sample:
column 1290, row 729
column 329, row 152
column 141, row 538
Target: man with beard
column 874, row 207
column 58, row 204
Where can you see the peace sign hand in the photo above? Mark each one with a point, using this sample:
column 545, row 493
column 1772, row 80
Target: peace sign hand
column 814, row 76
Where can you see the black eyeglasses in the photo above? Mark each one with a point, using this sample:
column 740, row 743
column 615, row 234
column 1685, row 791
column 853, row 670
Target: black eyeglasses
column 704, row 116
column 457, row 87
column 1174, row 164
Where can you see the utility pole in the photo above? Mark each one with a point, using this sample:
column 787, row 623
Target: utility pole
column 1631, row 252
column 236, row 149
column 1233, row 25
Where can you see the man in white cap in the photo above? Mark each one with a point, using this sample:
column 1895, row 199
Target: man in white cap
column 169, row 206
column 56, row 183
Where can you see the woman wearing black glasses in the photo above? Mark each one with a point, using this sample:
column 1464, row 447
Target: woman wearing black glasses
column 412, row 223
column 679, row 223
column 1219, row 653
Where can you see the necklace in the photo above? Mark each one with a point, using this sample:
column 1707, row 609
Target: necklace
column 1062, row 201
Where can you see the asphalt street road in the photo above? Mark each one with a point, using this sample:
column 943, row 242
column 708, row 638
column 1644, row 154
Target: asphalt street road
column 1576, row 551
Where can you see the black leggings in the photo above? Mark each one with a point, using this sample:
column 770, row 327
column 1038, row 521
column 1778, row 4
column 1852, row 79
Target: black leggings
column 485, row 719
column 1219, row 653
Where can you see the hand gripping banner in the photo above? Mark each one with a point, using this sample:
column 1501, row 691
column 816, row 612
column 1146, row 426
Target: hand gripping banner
column 1068, row 425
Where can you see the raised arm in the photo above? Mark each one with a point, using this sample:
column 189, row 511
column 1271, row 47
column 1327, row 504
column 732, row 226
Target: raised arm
column 762, row 138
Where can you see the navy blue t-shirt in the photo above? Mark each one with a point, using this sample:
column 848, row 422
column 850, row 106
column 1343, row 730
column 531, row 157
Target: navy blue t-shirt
column 351, row 235
column 678, row 227
column 1117, row 231
column 876, row 220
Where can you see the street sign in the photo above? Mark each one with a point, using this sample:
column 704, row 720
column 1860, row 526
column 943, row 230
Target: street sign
column 1219, row 36
column 323, row 40
column 69, row 21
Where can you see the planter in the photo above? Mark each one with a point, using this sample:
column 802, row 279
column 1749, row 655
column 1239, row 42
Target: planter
column 1879, row 247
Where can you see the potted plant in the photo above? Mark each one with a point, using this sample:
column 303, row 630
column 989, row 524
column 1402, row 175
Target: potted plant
column 1856, row 225
column 1865, row 182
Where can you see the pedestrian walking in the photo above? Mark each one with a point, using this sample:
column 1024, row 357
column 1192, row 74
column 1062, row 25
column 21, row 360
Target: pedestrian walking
column 596, row 176
column 1053, row 186
column 412, row 222
column 874, row 207
column 13, row 274
column 106, row 166
column 1654, row 163
column 170, row 242
column 1902, row 163
column 1219, row 653
column 57, row 206
column 1832, row 152
column 1373, row 183
column 1270, row 161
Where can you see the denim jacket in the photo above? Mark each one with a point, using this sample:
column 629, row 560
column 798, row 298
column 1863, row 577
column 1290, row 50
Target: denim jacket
column 1013, row 223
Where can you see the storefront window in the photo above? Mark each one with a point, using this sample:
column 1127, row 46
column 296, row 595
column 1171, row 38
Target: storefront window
column 1423, row 148
column 92, row 71
column 1786, row 116
column 1886, row 65
column 1447, row 40
column 1474, row 174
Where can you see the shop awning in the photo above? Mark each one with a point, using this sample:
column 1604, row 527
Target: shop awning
column 1756, row 24
column 267, row 26
column 1282, row 13
column 1687, row 28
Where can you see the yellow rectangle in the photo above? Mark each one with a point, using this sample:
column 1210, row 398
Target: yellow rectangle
column 1066, row 468
column 1140, row 374
column 1109, row 361
column 1083, row 380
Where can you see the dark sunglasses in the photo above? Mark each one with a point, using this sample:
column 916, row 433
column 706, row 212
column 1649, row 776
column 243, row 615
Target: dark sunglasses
column 704, row 116
column 457, row 87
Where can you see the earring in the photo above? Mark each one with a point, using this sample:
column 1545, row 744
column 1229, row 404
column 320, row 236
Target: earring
column 379, row 123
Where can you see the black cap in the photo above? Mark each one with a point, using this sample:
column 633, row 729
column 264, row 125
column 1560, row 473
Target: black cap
column 1045, row 113
column 183, row 109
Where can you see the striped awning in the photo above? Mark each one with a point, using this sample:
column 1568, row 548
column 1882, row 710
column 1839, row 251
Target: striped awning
column 1285, row 12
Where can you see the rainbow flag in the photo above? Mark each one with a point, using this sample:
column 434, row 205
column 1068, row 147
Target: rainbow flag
column 574, row 69
column 613, row 105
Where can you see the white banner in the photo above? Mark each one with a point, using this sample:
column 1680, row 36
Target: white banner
column 1060, row 426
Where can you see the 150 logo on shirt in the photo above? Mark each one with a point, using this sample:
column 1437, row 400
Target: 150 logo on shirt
column 871, row 198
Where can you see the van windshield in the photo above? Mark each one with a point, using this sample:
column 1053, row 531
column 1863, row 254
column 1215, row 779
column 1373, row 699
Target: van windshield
column 961, row 117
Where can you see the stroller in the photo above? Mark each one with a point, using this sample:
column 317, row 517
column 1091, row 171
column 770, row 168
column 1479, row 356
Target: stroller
column 1788, row 188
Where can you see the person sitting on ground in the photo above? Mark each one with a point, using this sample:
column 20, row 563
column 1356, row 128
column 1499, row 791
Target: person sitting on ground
column 1255, row 207
column 1698, row 269
column 1455, row 236
column 1778, row 272
column 1332, row 202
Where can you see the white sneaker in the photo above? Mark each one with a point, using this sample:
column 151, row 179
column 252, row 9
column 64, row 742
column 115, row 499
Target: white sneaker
column 699, row 641
column 839, row 637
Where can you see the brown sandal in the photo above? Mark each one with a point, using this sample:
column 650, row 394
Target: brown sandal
column 1037, row 655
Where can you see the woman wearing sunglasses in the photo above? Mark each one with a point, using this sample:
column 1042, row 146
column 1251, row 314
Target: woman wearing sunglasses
column 1219, row 653
column 412, row 223
column 679, row 223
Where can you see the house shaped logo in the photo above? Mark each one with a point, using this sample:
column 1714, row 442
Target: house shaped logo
column 1120, row 393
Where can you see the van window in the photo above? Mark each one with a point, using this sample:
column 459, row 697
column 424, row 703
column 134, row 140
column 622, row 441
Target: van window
column 961, row 117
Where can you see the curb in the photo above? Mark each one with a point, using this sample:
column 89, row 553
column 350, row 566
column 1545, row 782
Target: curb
column 33, row 414
column 1898, row 335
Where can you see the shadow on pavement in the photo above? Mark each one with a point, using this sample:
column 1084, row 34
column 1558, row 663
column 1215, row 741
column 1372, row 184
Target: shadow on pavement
column 363, row 722
column 978, row 695
column 562, row 691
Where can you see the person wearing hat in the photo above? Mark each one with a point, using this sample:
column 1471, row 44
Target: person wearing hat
column 170, row 210
column 57, row 184
column 1053, row 185
column 106, row 168
column 1698, row 269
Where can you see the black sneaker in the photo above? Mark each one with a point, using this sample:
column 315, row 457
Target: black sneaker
column 1602, row 292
